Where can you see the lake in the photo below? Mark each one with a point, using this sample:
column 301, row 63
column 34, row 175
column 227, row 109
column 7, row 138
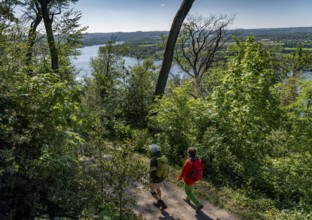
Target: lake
column 82, row 63
column 307, row 75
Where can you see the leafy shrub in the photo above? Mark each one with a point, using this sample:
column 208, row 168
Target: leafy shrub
column 35, row 113
column 288, row 214
column 289, row 180
column 181, row 119
column 140, row 139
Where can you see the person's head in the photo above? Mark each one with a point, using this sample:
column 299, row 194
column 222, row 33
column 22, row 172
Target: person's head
column 191, row 151
column 154, row 148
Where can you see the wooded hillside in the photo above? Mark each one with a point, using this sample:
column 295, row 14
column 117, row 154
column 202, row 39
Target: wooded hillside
column 75, row 150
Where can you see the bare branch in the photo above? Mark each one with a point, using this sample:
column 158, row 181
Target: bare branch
column 200, row 39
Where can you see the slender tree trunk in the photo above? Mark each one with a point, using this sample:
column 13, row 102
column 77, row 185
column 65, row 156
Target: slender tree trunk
column 49, row 32
column 172, row 38
column 31, row 39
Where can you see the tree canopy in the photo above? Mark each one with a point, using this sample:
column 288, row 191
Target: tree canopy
column 78, row 149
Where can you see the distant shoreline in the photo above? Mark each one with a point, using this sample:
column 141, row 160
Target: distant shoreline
column 96, row 38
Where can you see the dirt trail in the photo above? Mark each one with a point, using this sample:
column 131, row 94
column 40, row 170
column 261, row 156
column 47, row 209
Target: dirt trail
column 177, row 208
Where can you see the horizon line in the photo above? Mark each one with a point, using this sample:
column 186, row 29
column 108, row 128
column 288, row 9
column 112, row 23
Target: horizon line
column 264, row 28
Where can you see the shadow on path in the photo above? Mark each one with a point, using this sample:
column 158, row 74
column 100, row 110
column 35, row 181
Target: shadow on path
column 200, row 216
column 177, row 209
column 167, row 216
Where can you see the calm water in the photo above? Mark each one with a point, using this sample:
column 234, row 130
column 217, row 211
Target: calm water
column 308, row 75
column 82, row 62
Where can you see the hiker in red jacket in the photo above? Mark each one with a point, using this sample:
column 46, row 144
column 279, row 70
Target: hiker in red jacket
column 190, row 178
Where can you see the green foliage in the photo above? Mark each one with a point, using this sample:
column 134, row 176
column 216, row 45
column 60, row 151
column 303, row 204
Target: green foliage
column 143, row 49
column 107, row 69
column 35, row 114
column 123, row 172
column 42, row 173
column 55, row 160
column 287, row 214
column 68, row 39
column 288, row 179
column 39, row 114
column 118, row 172
column 181, row 118
column 298, row 61
column 139, row 93
column 120, row 97
column 299, row 114
column 286, row 176
column 132, row 39
column 107, row 92
column 112, row 172
column 6, row 14
column 238, row 131
column 139, row 140
column 245, row 111
column 251, row 144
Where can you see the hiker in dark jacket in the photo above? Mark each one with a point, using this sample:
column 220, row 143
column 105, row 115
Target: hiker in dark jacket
column 188, row 182
column 155, row 181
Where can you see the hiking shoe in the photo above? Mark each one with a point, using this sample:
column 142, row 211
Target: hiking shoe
column 162, row 204
column 188, row 201
column 157, row 204
column 199, row 208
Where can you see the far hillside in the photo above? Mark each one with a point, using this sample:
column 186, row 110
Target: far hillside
column 100, row 38
column 293, row 34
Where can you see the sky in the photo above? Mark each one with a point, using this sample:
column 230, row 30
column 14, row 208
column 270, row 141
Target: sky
column 157, row 15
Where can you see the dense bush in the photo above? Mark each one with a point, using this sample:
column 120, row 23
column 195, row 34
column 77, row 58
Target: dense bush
column 288, row 180
column 181, row 119
column 38, row 150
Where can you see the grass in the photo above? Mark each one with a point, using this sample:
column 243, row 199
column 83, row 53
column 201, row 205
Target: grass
column 147, row 45
column 294, row 49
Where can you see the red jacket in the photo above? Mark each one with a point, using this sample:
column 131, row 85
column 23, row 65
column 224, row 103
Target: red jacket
column 185, row 170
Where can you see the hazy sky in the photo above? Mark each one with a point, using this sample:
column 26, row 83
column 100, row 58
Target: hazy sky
column 149, row 15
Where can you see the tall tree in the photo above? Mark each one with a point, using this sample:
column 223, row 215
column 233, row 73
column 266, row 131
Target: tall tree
column 46, row 10
column 108, row 72
column 246, row 110
column 33, row 14
column 139, row 93
column 48, row 17
column 297, row 61
column 198, row 43
column 170, row 45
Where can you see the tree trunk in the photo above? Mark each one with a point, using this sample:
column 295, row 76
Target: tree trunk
column 31, row 39
column 49, row 32
column 170, row 45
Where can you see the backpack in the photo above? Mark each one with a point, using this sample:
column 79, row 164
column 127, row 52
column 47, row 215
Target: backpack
column 196, row 172
column 162, row 167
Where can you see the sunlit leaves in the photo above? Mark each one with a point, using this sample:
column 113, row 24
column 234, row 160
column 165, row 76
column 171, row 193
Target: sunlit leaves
column 181, row 118
column 35, row 117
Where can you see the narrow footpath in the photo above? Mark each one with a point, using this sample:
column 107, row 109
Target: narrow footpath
column 177, row 208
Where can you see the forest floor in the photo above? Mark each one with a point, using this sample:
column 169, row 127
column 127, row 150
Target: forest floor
column 177, row 209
